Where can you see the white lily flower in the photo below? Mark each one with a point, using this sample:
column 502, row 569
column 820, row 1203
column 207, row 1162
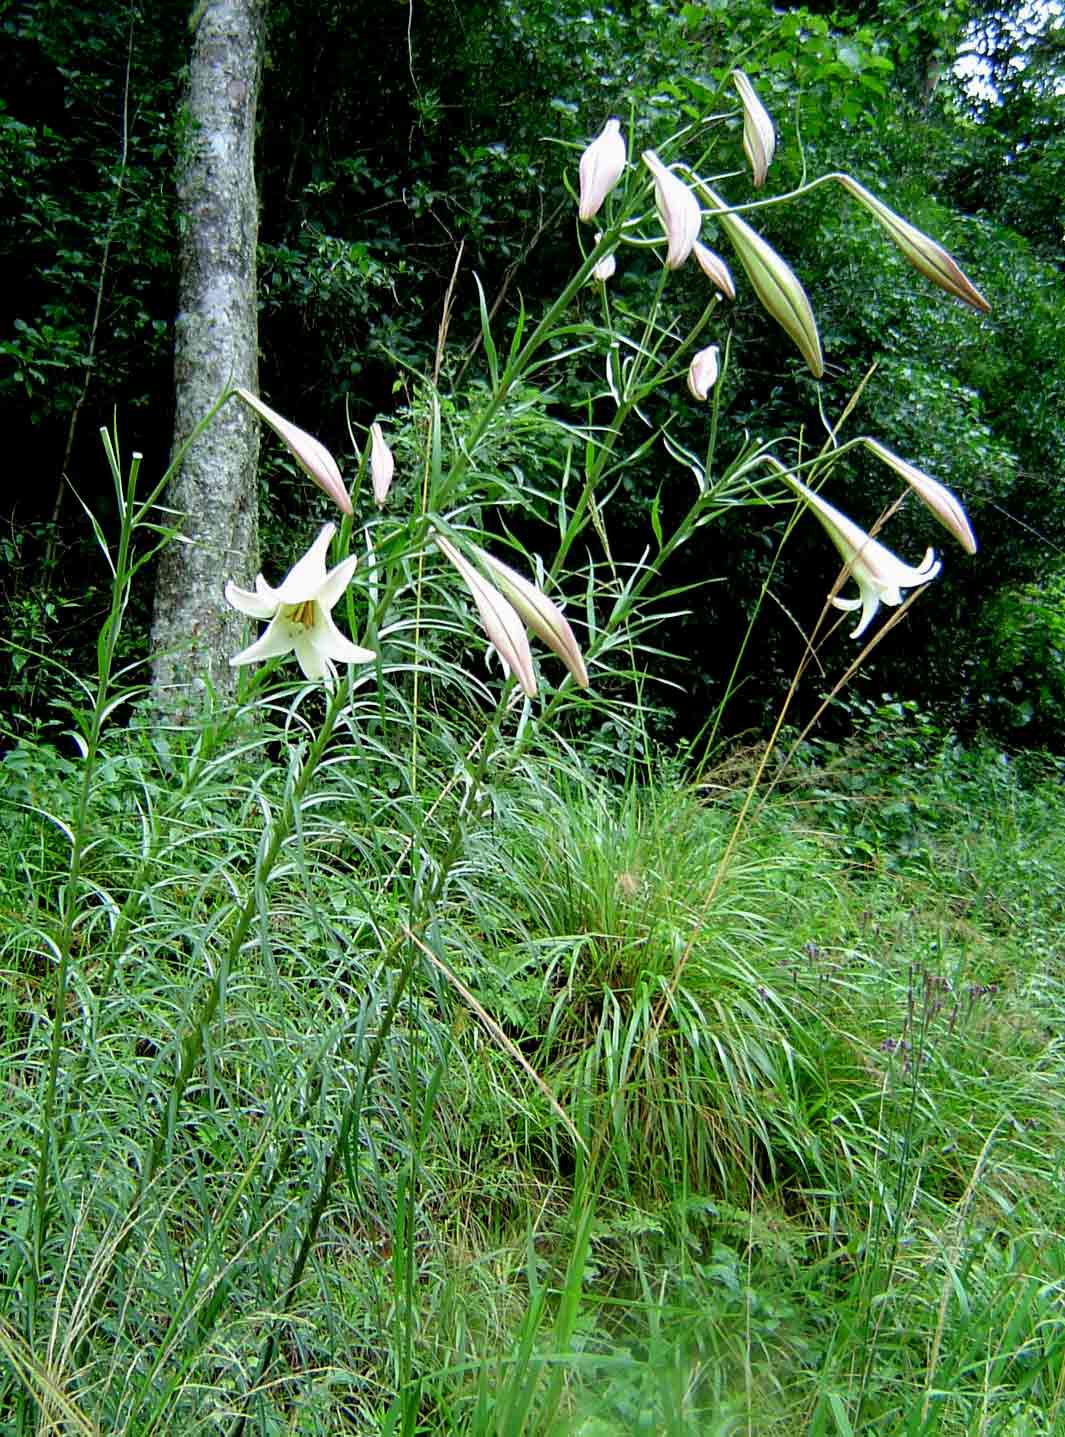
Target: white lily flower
column 382, row 465
column 300, row 614
column 602, row 165
column 703, row 372
column 678, row 210
column 879, row 574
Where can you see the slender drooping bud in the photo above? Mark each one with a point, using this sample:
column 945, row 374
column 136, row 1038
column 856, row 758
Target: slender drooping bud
column 501, row 623
column 602, row 165
column 309, row 453
column 936, row 496
column 774, row 283
column 382, row 465
column 715, row 269
column 604, row 269
column 540, row 613
column 703, row 372
column 923, row 253
column 678, row 209
column 759, row 137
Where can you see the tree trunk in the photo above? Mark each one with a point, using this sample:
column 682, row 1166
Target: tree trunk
column 215, row 494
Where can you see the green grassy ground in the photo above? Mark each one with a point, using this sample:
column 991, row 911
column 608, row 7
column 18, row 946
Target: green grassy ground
column 646, row 1123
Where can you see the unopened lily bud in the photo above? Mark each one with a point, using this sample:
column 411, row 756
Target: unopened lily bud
column 382, row 465
column 606, row 267
column 759, row 137
column 774, row 283
column 309, row 453
column 703, row 372
column 715, row 269
column 602, row 165
column 678, row 209
column 501, row 622
column 936, row 496
column 540, row 613
column 921, row 251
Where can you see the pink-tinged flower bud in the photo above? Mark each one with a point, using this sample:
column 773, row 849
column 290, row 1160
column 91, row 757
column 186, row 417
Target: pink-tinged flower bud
column 505, row 630
column 606, row 267
column 936, row 496
column 774, row 283
column 923, row 253
column 602, row 165
column 715, row 269
column 382, row 465
column 678, row 209
column 703, row 372
column 309, row 453
column 540, row 613
column 759, row 137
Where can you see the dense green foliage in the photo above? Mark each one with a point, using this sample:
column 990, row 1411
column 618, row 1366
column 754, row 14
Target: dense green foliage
column 823, row 1177
column 447, row 1046
column 391, row 135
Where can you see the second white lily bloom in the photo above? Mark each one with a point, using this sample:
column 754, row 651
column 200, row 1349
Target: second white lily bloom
column 879, row 574
column 300, row 614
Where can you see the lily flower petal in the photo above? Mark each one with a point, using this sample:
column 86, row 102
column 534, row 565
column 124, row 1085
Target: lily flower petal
column 879, row 574
column 715, row 269
column 309, row 453
column 540, row 613
column 500, row 621
column 678, row 209
column 299, row 610
column 932, row 493
column 759, row 137
column 602, row 165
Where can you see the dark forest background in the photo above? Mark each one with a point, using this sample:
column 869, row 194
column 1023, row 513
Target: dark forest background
column 391, row 134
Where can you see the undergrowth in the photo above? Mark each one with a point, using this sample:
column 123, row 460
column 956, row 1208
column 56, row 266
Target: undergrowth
column 816, row 1175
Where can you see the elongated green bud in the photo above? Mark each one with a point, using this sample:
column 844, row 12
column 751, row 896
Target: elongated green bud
column 923, row 253
column 774, row 282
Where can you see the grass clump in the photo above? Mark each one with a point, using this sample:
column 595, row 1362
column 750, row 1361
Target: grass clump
column 816, row 1176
